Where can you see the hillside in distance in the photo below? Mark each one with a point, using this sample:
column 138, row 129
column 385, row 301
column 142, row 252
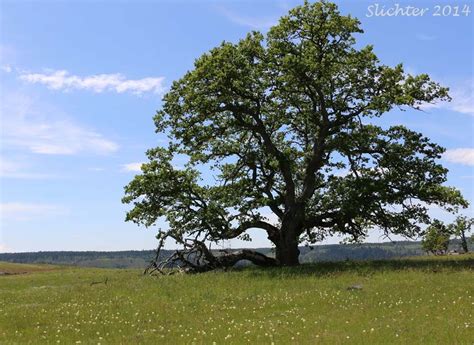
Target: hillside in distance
column 140, row 259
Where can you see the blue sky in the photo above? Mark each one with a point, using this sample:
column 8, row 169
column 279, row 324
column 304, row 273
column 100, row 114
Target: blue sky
column 81, row 80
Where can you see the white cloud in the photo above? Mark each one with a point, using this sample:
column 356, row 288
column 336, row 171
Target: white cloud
column 462, row 99
column 6, row 68
column 43, row 129
column 25, row 211
column 8, row 166
column 62, row 80
column 132, row 167
column 252, row 22
column 18, row 169
column 461, row 155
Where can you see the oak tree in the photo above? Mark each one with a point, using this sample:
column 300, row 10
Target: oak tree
column 278, row 134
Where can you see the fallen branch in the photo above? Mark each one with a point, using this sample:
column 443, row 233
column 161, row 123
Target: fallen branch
column 196, row 257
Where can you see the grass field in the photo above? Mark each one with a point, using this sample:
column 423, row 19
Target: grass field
column 416, row 301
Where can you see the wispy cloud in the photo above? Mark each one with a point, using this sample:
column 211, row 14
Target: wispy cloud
column 425, row 37
column 63, row 80
column 132, row 167
column 8, row 167
column 461, row 156
column 249, row 21
column 462, row 99
column 14, row 211
column 19, row 170
column 43, row 129
column 6, row 68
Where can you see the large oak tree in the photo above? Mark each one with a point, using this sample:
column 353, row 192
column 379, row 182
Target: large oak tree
column 283, row 123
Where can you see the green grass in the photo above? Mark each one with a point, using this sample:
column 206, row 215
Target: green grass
column 417, row 301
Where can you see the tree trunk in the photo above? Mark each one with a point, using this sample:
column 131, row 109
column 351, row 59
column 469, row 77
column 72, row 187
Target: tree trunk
column 287, row 252
column 464, row 242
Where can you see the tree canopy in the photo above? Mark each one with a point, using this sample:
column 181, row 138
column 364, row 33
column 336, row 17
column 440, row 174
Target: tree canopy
column 278, row 134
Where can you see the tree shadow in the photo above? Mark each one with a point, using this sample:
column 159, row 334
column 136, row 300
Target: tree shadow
column 364, row 268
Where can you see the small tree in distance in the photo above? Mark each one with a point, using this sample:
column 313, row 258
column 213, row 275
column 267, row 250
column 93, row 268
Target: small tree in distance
column 436, row 238
column 459, row 228
column 277, row 135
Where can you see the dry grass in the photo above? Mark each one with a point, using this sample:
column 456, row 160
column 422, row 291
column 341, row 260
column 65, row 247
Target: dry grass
column 9, row 268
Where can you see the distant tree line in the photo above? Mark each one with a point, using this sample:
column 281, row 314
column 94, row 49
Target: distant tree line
column 140, row 259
